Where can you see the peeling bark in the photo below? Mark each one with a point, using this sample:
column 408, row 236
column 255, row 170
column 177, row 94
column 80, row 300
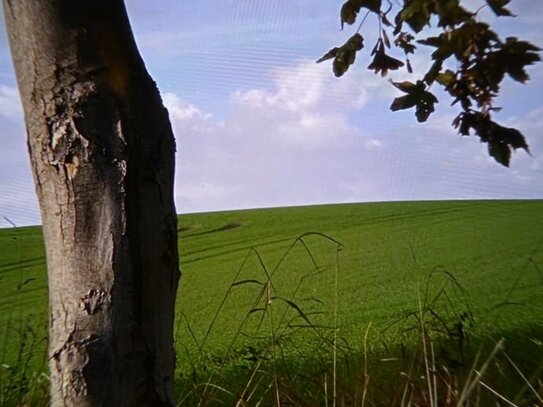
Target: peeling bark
column 102, row 154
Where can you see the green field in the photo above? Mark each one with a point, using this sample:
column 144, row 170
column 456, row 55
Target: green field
column 468, row 272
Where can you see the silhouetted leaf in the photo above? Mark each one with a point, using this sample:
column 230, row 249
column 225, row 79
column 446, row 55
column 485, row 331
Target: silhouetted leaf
column 500, row 139
column 510, row 136
column 403, row 102
column 348, row 13
column 386, row 21
column 329, row 55
column 498, row 7
column 446, row 78
column 464, row 122
column 372, row 5
column 351, row 8
column 425, row 107
column 385, row 38
column 417, row 96
column 500, row 151
column 404, row 86
column 515, row 55
column 409, row 68
column 431, row 41
column 345, row 55
column 405, row 42
column 451, row 14
column 383, row 62
column 433, row 72
column 416, row 13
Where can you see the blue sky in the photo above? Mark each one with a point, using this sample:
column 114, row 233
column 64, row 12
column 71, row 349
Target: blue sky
column 259, row 124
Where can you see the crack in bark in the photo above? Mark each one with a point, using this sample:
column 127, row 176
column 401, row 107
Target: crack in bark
column 62, row 217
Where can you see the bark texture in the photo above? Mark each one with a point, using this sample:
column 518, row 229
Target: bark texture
column 102, row 154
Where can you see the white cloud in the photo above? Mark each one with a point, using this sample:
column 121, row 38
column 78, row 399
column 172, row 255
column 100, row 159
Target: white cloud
column 186, row 115
column 373, row 144
column 307, row 107
column 271, row 145
column 308, row 86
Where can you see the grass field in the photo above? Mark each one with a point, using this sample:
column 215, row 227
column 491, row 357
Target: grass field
column 269, row 285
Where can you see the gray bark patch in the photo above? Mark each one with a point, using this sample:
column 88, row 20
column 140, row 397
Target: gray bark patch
column 70, row 361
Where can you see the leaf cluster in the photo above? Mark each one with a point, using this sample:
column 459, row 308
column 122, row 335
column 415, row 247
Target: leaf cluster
column 501, row 140
column 482, row 60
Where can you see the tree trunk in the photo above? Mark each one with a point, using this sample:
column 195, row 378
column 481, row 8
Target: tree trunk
column 102, row 154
